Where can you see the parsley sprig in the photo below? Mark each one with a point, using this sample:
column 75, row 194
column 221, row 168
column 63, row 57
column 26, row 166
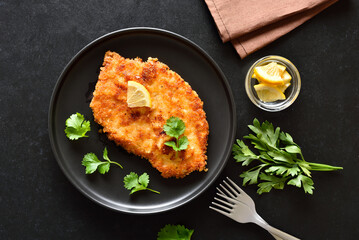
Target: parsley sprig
column 136, row 183
column 76, row 126
column 280, row 160
column 175, row 127
column 174, row 232
column 92, row 163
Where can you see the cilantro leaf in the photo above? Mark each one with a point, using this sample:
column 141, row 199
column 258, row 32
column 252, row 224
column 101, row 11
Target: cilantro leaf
column 77, row 126
column 279, row 161
column 131, row 180
column 92, row 163
column 105, row 155
column 175, row 127
column 144, row 179
column 104, row 167
column 172, row 144
column 136, row 183
column 174, row 232
column 183, row 143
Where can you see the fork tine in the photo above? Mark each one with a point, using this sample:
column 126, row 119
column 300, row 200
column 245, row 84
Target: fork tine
column 236, row 186
column 220, row 211
column 222, row 207
column 224, row 202
column 228, row 192
column 219, row 190
column 230, row 187
column 227, row 198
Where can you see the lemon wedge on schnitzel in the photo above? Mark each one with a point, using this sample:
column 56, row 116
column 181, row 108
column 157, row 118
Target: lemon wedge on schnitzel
column 137, row 95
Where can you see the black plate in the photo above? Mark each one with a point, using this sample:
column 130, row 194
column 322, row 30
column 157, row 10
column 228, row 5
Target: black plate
column 72, row 94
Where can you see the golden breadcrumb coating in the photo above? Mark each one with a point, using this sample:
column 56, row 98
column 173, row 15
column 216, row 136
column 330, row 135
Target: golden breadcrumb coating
column 140, row 130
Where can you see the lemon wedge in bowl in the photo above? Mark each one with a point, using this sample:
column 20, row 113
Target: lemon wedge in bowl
column 283, row 87
column 268, row 93
column 270, row 73
column 137, row 95
column 286, row 77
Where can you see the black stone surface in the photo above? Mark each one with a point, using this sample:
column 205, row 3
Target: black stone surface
column 38, row 38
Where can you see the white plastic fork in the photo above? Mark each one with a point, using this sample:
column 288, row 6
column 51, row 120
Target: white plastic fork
column 237, row 205
column 242, row 197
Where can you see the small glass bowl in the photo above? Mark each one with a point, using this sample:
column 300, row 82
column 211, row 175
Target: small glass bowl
column 291, row 93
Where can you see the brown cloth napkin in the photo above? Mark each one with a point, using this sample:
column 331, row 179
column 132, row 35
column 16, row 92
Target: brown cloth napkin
column 252, row 24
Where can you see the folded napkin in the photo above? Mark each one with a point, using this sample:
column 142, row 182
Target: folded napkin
column 252, row 24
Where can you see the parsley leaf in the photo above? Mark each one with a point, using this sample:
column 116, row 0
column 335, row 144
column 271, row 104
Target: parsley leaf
column 251, row 176
column 279, row 160
column 175, row 127
column 77, row 126
column 174, row 232
column 136, row 183
column 92, row 163
column 243, row 154
column 269, row 182
column 306, row 181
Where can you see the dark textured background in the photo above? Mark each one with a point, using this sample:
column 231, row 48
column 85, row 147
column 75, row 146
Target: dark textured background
column 38, row 38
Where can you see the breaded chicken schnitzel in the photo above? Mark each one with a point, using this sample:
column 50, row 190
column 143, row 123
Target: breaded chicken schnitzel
column 139, row 130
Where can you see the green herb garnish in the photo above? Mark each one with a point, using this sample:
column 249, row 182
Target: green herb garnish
column 174, row 232
column 280, row 160
column 77, row 126
column 132, row 181
column 92, row 163
column 175, row 127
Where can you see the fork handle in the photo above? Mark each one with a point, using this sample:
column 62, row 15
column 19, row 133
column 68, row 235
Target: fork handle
column 259, row 218
column 276, row 232
column 275, row 236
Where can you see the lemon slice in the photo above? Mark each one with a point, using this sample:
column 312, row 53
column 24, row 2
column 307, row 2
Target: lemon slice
column 268, row 93
column 137, row 95
column 270, row 73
